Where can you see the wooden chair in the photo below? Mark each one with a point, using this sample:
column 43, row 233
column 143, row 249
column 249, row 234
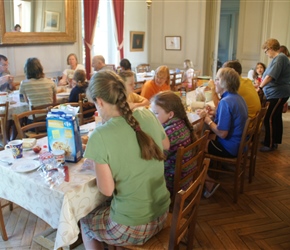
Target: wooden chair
column 197, row 149
column 256, row 141
column 87, row 110
column 144, row 67
column 180, row 225
column 4, row 108
column 240, row 161
column 2, row 225
column 176, row 81
column 198, row 127
column 23, row 128
column 112, row 66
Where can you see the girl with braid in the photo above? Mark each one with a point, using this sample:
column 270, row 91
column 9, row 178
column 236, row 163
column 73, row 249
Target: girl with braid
column 129, row 167
column 170, row 111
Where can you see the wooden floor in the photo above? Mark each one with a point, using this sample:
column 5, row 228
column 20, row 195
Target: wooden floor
column 260, row 219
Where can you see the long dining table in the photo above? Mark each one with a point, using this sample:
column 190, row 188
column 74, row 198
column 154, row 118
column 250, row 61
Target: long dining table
column 61, row 206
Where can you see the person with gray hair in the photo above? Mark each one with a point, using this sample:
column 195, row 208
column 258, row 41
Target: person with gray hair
column 276, row 87
column 99, row 64
column 230, row 116
column 127, row 151
column 6, row 80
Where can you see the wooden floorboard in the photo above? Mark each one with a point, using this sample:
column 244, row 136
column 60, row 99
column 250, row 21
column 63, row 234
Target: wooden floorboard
column 260, row 219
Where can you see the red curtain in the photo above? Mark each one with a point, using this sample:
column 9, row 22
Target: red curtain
column 90, row 19
column 119, row 18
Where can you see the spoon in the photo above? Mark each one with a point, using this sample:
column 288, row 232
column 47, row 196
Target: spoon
column 8, row 162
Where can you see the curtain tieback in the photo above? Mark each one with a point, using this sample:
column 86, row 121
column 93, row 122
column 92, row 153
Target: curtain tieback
column 89, row 45
column 120, row 46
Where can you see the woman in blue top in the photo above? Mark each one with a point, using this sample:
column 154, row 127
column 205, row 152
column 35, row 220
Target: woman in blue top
column 127, row 151
column 230, row 117
column 276, row 87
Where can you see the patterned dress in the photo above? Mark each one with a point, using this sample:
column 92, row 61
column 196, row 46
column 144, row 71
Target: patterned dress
column 179, row 135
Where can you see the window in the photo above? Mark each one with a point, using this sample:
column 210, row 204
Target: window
column 104, row 38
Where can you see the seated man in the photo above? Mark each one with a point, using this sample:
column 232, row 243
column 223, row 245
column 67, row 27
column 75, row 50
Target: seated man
column 99, row 64
column 6, row 80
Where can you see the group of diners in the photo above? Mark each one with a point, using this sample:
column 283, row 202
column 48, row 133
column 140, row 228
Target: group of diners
column 134, row 151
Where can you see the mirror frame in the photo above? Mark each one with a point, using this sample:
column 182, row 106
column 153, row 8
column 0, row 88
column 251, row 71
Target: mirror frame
column 23, row 38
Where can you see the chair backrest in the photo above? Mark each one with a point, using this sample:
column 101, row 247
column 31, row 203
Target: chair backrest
column 4, row 108
column 143, row 67
column 247, row 138
column 176, row 80
column 23, row 127
column 196, row 149
column 112, row 66
column 198, row 127
column 87, row 110
column 185, row 210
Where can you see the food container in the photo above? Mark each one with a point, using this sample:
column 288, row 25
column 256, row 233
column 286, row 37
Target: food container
column 59, row 155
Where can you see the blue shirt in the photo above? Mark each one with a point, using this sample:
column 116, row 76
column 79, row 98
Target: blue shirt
column 279, row 70
column 231, row 116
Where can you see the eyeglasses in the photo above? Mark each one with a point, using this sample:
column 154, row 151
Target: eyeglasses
column 266, row 50
column 217, row 79
column 4, row 65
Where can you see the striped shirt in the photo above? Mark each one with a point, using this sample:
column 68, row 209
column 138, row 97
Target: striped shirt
column 38, row 91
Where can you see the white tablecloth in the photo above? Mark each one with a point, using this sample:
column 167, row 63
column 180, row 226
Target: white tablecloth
column 62, row 206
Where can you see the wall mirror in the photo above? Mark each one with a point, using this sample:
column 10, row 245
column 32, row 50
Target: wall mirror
column 42, row 21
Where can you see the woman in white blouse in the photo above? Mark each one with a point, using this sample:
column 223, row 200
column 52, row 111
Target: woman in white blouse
column 68, row 73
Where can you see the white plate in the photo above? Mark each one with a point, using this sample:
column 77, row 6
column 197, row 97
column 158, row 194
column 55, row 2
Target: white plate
column 24, row 165
column 63, row 94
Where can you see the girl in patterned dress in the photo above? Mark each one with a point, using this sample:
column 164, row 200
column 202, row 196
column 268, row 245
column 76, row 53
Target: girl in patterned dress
column 169, row 110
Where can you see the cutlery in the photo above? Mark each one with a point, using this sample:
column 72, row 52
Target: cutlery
column 8, row 162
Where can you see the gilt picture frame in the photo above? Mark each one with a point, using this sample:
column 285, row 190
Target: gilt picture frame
column 51, row 22
column 137, row 39
column 173, row 42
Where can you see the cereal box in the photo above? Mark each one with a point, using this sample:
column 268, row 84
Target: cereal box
column 63, row 133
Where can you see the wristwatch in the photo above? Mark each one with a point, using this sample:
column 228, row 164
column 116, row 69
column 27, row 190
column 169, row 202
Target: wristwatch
column 260, row 87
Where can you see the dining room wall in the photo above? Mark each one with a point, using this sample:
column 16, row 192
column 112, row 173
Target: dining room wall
column 258, row 21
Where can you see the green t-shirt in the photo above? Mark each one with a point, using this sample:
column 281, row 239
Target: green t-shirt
column 140, row 194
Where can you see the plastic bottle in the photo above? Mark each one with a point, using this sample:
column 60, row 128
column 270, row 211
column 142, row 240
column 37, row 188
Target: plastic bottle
column 183, row 97
column 98, row 119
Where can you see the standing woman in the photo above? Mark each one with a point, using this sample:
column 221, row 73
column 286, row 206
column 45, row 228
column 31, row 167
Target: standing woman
column 276, row 87
column 127, row 151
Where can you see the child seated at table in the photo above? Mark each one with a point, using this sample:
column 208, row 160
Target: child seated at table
column 169, row 110
column 133, row 99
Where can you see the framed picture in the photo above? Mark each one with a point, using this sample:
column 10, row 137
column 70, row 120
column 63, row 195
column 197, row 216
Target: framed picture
column 173, row 42
column 51, row 22
column 137, row 40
